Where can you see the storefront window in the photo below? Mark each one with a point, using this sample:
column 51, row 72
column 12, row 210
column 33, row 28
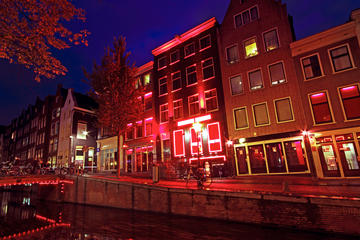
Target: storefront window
column 275, row 157
column 241, row 160
column 257, row 159
column 295, row 156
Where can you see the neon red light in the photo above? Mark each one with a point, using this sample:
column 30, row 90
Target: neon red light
column 214, row 139
column 348, row 88
column 318, row 95
column 179, row 145
column 129, row 124
column 203, row 118
column 149, row 119
column 139, row 122
column 195, row 142
column 185, row 122
column 148, row 94
column 205, row 158
column 193, row 120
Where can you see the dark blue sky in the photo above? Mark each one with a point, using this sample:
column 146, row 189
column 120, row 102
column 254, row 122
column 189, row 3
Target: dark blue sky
column 146, row 25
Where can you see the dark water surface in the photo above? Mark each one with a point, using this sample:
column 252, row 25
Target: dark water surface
column 22, row 215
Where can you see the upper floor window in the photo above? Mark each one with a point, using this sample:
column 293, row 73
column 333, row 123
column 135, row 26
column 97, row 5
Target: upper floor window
column 236, row 85
column 139, row 130
column 232, row 54
column 271, row 40
column 130, row 133
column 164, row 113
column 320, row 108
column 81, row 131
column 340, row 58
column 311, row 67
column 189, row 50
column 148, row 102
column 178, row 109
column 191, row 75
column 138, row 83
column 211, row 100
column 246, row 16
column 255, row 80
column 350, row 97
column 174, row 56
column 194, row 107
column 277, row 73
column 205, row 42
column 163, row 86
column 176, row 80
column 162, row 62
column 251, row 49
column 147, row 79
column 208, row 69
column 283, row 108
column 261, row 114
column 148, row 128
column 241, row 118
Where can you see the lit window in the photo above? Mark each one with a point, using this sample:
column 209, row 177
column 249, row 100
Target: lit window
column 208, row 68
column 148, row 102
column 250, row 48
column 163, row 86
column 139, row 130
column 205, row 42
column 178, row 109
column 189, row 49
column 283, row 110
column 311, row 67
column 191, row 75
column 350, row 97
column 236, row 85
column 81, row 131
column 271, row 40
column 277, row 73
column 255, row 80
column 175, row 56
column 196, row 141
column 214, row 138
column 164, row 112
column 340, row 58
column 179, row 145
column 194, row 107
column 176, row 81
column 320, row 108
column 148, row 128
column 232, row 54
column 162, row 63
column 241, row 118
column 261, row 114
column 147, row 79
column 211, row 100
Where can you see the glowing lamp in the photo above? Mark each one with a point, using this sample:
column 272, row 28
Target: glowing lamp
column 229, row 143
column 85, row 133
column 242, row 140
column 197, row 126
column 305, row 133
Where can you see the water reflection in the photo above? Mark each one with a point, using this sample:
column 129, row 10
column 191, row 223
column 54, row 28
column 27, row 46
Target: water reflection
column 22, row 214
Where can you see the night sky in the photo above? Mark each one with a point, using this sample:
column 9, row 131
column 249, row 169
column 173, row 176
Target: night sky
column 146, row 25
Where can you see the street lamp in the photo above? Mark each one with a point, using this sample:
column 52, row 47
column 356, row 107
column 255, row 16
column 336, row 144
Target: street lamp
column 197, row 127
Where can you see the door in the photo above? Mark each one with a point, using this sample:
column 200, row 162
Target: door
column 349, row 159
column 242, row 166
column 328, row 160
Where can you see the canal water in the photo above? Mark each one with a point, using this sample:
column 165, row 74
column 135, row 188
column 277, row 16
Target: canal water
column 23, row 217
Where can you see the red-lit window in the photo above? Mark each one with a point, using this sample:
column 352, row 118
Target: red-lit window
column 196, row 142
column 163, row 86
column 350, row 97
column 179, row 146
column 164, row 113
column 148, row 101
column 214, row 140
column 148, row 128
column 208, row 69
column 321, row 108
column 194, row 107
column 178, row 109
column 176, row 81
column 211, row 100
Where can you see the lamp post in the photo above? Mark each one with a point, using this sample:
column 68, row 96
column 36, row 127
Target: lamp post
column 197, row 127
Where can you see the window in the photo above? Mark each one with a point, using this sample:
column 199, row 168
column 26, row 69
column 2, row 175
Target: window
column 214, row 138
column 189, row 50
column 257, row 159
column 148, row 102
column 174, row 57
column 340, row 58
column 196, row 142
column 277, row 73
column 246, row 17
column 163, row 86
column 271, row 40
column 81, row 131
column 232, row 54
column 295, row 156
column 350, row 97
column 139, row 130
column 148, row 128
column 130, row 132
column 208, row 68
column 176, row 81
column 162, row 63
column 283, row 108
column 164, row 112
column 236, row 85
column 241, row 118
column 191, row 75
column 178, row 109
column 138, row 83
column 194, row 107
column 179, row 146
column 205, row 42
column 250, row 48
column 147, row 79
column 211, row 100
column 320, row 108
column 261, row 115
column 311, row 67
column 255, row 80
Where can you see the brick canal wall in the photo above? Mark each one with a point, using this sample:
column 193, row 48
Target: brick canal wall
column 310, row 213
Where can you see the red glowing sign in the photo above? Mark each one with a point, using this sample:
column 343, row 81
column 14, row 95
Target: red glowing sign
column 179, row 146
column 196, row 142
column 214, row 140
column 193, row 120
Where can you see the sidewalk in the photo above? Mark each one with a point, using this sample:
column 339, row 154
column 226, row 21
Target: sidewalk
column 290, row 185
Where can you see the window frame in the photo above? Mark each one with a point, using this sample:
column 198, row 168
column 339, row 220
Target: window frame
column 191, row 54
column 178, row 51
column 242, row 80
column 213, row 68
column 160, row 111
column 257, row 47
column 187, row 77
column 227, row 57
column 276, row 112
column 163, row 94
column 160, row 58
column 198, row 101
column 205, row 99
column 181, row 107
column 342, row 104
column 172, row 81
column 240, row 13
column 277, row 35
column 262, row 79
column 330, row 107
column 203, row 49
column 284, row 70
column 268, row 114
column 247, row 117
column 350, row 57
column 320, row 64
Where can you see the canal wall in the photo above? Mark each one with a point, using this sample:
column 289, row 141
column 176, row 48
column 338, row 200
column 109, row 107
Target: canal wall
column 310, row 213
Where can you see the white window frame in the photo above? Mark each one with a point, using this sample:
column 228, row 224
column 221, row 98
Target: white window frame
column 240, row 13
column 172, row 81
column 187, row 80
column 213, row 68
column 198, row 101
column 217, row 102
column 178, row 51
column 159, row 68
column 182, row 108
column 342, row 104
column 163, row 94
column 203, row 49
column 191, row 54
column 166, row 104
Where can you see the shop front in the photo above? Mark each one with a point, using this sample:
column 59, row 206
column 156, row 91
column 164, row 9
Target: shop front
column 139, row 158
column 107, row 151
